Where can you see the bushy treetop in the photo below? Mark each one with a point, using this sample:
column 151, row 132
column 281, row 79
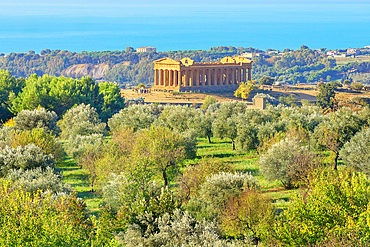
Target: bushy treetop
column 37, row 118
column 81, row 120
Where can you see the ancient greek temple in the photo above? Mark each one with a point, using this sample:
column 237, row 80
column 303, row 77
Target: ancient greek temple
column 185, row 75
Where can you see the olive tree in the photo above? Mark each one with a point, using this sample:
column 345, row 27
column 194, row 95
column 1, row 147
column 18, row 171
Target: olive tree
column 287, row 162
column 24, row 158
column 177, row 229
column 38, row 118
column 81, row 120
column 228, row 116
column 135, row 117
column 47, row 179
column 176, row 116
column 202, row 124
column 219, row 187
column 209, row 100
column 356, row 153
column 338, row 129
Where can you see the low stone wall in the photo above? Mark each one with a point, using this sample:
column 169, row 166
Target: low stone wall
column 209, row 88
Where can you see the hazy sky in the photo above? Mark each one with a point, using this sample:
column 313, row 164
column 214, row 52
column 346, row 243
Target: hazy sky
column 107, row 2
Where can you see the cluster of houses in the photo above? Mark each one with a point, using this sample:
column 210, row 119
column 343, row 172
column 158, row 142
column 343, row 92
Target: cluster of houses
column 341, row 53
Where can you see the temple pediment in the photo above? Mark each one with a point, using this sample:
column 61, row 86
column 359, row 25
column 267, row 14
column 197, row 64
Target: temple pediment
column 187, row 61
column 228, row 60
column 166, row 60
column 240, row 59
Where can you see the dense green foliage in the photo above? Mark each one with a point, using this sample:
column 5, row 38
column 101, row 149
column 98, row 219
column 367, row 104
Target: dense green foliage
column 54, row 94
column 28, row 219
column 9, row 88
column 335, row 206
column 24, row 158
column 161, row 182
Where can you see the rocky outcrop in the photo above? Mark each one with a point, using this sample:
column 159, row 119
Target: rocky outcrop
column 79, row 70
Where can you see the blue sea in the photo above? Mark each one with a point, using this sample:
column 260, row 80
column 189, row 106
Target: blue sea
column 179, row 25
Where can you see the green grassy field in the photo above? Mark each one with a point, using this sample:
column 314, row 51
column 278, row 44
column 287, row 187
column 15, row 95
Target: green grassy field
column 218, row 149
column 79, row 180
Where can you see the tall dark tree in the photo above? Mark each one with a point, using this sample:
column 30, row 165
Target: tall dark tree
column 325, row 98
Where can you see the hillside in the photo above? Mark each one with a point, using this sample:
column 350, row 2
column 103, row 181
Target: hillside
column 129, row 68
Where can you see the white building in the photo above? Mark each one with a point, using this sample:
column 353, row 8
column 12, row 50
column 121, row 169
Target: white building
column 146, row 49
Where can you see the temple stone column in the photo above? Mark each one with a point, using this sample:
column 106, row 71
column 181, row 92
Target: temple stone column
column 156, row 77
column 161, row 77
column 214, row 79
column 175, row 78
column 203, row 78
column 187, row 77
column 245, row 74
column 193, row 74
column 179, row 83
column 239, row 75
column 209, row 80
column 218, row 73
column 232, row 76
column 197, row 78
column 227, row 77
column 249, row 74
column 165, row 78
column 184, row 78
column 170, row 73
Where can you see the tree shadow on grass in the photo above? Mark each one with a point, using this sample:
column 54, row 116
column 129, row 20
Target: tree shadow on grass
column 215, row 156
column 88, row 195
column 81, row 180
column 69, row 169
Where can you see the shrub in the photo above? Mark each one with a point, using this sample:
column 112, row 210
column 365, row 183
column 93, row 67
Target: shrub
column 81, row 120
column 179, row 229
column 208, row 100
column 219, row 187
column 77, row 146
column 24, row 158
column 38, row 179
column 194, row 176
column 40, row 219
column 269, row 99
column 126, row 201
column 5, row 136
column 336, row 205
column 357, row 85
column 248, row 215
column 135, row 116
column 38, row 118
column 46, row 141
